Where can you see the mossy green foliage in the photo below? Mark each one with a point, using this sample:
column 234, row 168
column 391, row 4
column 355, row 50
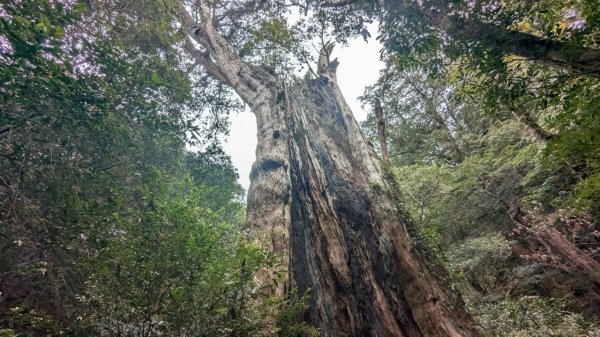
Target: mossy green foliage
column 562, row 103
column 532, row 317
column 108, row 225
column 465, row 176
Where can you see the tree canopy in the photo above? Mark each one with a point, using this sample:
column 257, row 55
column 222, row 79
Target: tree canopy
column 121, row 215
column 109, row 225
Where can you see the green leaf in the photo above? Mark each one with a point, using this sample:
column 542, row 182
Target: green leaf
column 80, row 7
column 44, row 21
column 21, row 20
column 59, row 32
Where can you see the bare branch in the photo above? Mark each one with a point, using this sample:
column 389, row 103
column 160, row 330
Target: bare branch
column 338, row 4
column 204, row 59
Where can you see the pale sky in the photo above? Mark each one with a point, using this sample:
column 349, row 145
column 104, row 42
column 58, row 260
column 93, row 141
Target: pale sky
column 359, row 67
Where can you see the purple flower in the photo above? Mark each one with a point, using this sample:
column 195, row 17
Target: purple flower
column 3, row 13
column 571, row 13
column 577, row 25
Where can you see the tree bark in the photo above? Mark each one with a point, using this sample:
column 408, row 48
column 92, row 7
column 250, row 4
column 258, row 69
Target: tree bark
column 314, row 204
column 579, row 277
column 572, row 257
column 312, row 201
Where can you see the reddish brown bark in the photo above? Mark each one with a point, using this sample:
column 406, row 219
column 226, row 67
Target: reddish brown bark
column 348, row 246
column 573, row 272
column 572, row 257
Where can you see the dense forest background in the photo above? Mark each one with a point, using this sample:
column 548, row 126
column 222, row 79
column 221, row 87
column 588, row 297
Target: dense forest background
column 488, row 125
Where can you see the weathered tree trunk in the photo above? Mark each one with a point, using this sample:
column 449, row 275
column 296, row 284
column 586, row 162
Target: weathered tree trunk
column 317, row 198
column 572, row 257
column 576, row 276
column 579, row 263
column 312, row 198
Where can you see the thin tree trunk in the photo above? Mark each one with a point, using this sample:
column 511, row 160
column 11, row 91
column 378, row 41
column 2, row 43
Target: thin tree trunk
column 381, row 130
column 572, row 257
column 457, row 156
column 534, row 129
column 311, row 201
column 580, row 277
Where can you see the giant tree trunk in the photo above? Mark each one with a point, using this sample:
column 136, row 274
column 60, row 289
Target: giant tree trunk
column 317, row 198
